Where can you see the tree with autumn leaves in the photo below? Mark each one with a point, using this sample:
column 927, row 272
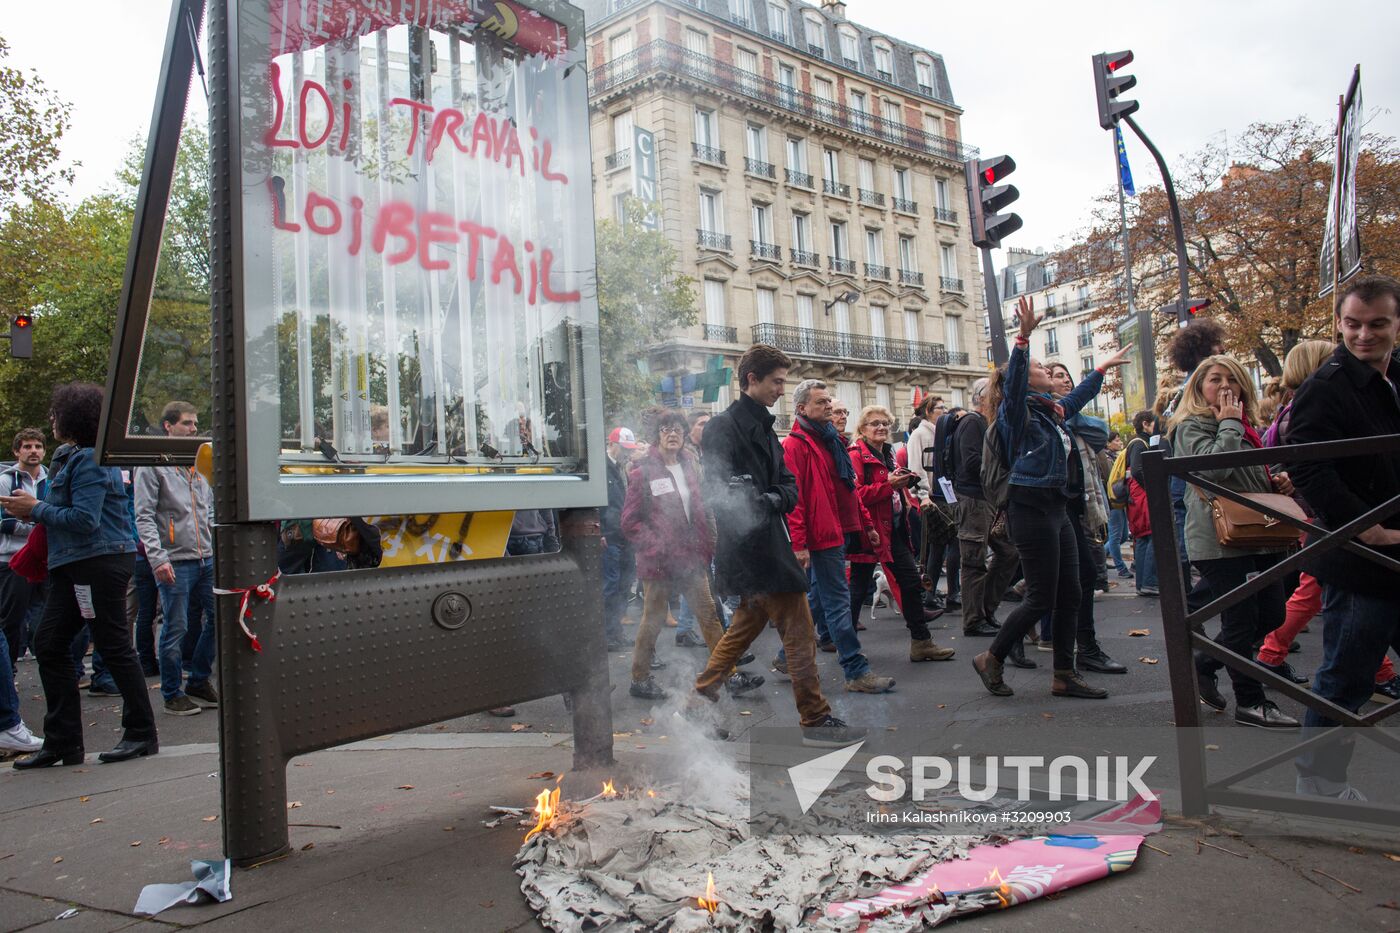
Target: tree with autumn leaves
column 1254, row 215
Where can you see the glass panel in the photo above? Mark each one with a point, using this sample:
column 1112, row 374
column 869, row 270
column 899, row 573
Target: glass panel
column 417, row 243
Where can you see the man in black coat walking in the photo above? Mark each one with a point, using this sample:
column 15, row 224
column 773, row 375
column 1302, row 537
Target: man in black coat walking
column 1356, row 394
column 750, row 489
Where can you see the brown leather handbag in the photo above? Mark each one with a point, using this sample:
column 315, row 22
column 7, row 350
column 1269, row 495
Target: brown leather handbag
column 1239, row 526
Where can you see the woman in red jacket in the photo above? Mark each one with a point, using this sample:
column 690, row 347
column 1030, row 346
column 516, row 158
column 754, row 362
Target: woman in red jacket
column 885, row 492
column 665, row 521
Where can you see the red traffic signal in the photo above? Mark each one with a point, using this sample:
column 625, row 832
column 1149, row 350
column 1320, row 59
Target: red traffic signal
column 1108, row 84
column 985, row 198
column 1122, row 58
column 22, row 336
column 24, row 320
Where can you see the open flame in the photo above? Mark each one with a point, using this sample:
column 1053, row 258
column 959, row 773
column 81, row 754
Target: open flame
column 709, row 902
column 1003, row 890
column 546, row 809
column 608, row 789
column 650, row 792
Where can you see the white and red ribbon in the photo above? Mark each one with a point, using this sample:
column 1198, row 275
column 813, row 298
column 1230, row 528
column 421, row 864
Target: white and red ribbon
column 263, row 591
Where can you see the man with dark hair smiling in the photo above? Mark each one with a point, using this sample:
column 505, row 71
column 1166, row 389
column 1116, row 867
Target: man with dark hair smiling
column 750, row 489
column 1355, row 394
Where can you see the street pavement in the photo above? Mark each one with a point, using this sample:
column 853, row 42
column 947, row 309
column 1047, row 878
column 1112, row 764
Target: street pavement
column 388, row 835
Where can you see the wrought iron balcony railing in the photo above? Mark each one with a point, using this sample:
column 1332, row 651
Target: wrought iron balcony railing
column 800, row 179
column 873, row 271
column 873, row 198
column 905, row 206
column 949, row 284
column 1086, row 341
column 843, row 266
column 945, row 215
column 709, row 239
column 761, row 250
column 911, row 278
column 660, row 58
column 825, row 344
column 707, row 153
column 620, row 159
column 760, row 168
column 801, row 257
column 836, row 188
column 718, row 333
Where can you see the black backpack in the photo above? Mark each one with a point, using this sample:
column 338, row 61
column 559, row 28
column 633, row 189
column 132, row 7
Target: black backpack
column 996, row 471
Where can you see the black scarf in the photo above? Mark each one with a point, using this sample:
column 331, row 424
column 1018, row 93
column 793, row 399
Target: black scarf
column 831, row 439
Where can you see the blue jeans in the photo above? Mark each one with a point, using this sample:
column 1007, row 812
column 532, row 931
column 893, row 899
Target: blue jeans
column 194, row 583
column 1177, row 487
column 144, row 584
column 521, row 545
column 1117, row 531
column 1145, row 563
column 829, row 596
column 1357, row 631
column 9, row 697
column 685, row 618
column 619, row 568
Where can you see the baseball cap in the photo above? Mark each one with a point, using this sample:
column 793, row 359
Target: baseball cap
column 623, row 437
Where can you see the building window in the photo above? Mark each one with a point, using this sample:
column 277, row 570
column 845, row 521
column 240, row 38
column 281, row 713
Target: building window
column 874, row 248
column 860, row 102
column 756, row 142
column 778, row 21
column 840, row 249
column 711, row 216
column 959, row 398
column 825, row 93
column 884, row 61
column 741, row 12
column 889, row 110
column 816, row 35
column 1086, row 366
column 831, row 164
column 949, row 257
column 762, row 223
column 619, row 45
column 877, row 322
column 882, row 396
column 766, row 300
column 849, row 392
column 1019, row 281
column 697, row 42
column 622, row 131
column 867, row 174
column 1050, row 304
column 1052, row 340
column 940, row 193
column 620, row 207
column 850, row 51
column 797, row 154
column 908, row 257
column 805, row 318
column 843, row 332
column 802, row 233
column 1086, row 335
column 714, row 303
column 787, row 81
column 952, row 333
column 903, row 184
column 747, row 62
column 705, row 127
column 923, row 74
column 911, row 326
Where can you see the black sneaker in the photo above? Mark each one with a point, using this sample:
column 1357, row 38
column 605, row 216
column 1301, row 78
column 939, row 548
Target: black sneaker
column 743, row 682
column 1294, row 647
column 1097, row 660
column 952, row 603
column 202, row 694
column 746, row 659
column 1284, row 670
column 103, row 689
column 181, row 706
column 1388, row 691
column 689, row 639
column 647, row 689
column 1073, row 684
column 831, row 733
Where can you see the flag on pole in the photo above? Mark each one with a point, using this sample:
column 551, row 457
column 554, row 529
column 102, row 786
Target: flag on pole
column 1341, row 201
column 1125, row 174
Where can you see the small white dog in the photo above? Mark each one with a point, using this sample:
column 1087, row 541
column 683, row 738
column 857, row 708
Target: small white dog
column 883, row 596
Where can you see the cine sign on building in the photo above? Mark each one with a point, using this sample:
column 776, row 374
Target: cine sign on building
column 644, row 174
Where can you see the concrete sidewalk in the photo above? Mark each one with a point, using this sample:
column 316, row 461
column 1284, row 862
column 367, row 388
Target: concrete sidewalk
column 388, row 835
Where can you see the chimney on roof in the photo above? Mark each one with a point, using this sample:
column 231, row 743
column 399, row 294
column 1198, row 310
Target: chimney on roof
column 835, row 7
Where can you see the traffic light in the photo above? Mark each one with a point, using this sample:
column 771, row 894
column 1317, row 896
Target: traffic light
column 1108, row 84
column 1193, row 307
column 22, row 336
column 985, row 197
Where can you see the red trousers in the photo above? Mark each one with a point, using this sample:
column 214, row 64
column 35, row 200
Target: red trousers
column 1303, row 605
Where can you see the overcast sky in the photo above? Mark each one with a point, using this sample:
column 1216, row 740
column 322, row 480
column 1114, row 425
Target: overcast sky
column 1206, row 69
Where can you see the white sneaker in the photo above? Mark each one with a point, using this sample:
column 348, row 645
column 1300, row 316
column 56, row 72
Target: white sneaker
column 20, row 739
column 1322, row 787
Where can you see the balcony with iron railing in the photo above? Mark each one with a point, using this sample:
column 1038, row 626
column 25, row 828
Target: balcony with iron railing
column 886, row 76
column 709, row 239
column 1075, row 305
column 825, row 344
column 915, row 279
column 841, row 266
column 816, row 50
column 875, row 271
column 835, row 188
column 660, row 58
column 905, row 206
column 718, row 333
column 1086, row 341
column 770, row 251
column 760, row 168
column 738, row 19
column 944, row 215
column 950, row 284
column 616, row 160
column 800, row 179
column 802, row 257
column 872, row 198
column 709, row 154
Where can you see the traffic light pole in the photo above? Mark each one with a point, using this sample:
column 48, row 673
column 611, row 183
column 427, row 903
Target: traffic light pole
column 1147, row 343
column 994, row 320
column 1183, row 308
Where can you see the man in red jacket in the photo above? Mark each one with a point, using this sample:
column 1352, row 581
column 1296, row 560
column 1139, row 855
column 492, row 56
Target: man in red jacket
column 827, row 512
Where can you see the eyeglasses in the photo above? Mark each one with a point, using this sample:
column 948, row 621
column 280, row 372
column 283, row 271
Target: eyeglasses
column 671, row 429
column 877, row 424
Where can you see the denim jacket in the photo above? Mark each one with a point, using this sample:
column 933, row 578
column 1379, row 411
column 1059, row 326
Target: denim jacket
column 1029, row 434
column 85, row 512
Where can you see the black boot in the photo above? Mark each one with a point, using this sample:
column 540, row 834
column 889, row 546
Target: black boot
column 1017, row 656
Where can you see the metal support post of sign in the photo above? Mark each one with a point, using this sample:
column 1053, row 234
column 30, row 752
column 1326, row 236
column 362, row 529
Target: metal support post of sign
column 997, row 326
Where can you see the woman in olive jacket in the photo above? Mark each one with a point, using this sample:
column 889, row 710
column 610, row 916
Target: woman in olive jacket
column 1216, row 415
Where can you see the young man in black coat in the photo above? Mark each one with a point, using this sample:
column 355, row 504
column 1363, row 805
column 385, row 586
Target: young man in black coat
column 749, row 489
column 1355, row 394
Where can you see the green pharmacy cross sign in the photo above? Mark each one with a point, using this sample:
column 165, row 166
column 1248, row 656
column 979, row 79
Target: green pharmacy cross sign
column 715, row 377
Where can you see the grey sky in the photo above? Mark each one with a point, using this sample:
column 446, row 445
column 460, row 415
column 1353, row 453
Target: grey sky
column 1204, row 68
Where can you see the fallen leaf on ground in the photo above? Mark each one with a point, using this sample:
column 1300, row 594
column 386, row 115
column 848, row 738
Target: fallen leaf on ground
column 1048, row 715
column 1212, row 748
column 745, row 712
column 487, row 904
column 57, row 859
column 309, row 845
column 405, row 787
column 519, row 726
column 1139, row 632
column 448, row 829
column 330, row 790
column 942, row 705
column 84, row 799
column 98, row 820
column 648, row 721
column 163, row 841
column 1356, row 850
column 136, row 843
column 210, row 819
column 1392, row 857
column 1148, row 660
column 293, row 804
column 541, row 776
column 891, row 728
column 1390, row 905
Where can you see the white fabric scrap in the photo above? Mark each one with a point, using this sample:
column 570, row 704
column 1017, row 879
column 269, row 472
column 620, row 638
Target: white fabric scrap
column 211, row 880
